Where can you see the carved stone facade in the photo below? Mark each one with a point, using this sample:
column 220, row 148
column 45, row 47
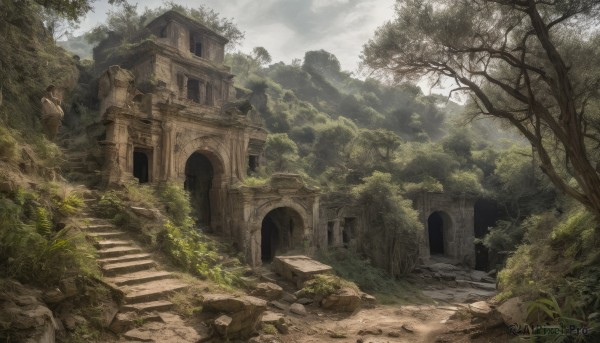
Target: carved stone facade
column 170, row 115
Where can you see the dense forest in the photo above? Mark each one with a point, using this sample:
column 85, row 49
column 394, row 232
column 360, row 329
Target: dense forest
column 367, row 139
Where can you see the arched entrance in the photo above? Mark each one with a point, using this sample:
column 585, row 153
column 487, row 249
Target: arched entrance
column 438, row 228
column 282, row 230
column 199, row 174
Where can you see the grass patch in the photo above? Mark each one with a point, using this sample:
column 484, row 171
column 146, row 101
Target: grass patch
column 373, row 280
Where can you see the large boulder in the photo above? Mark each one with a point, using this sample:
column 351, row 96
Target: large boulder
column 30, row 319
column 244, row 311
column 513, row 311
column 345, row 299
column 267, row 290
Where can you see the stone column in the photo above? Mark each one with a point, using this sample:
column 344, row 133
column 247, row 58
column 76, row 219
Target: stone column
column 167, row 167
column 202, row 96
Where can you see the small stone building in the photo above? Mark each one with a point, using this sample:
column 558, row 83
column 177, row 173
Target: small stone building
column 448, row 223
column 169, row 108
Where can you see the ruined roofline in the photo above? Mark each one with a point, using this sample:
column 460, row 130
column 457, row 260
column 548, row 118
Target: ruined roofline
column 191, row 23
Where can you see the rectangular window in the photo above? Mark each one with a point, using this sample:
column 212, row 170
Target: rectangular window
column 193, row 90
column 195, row 46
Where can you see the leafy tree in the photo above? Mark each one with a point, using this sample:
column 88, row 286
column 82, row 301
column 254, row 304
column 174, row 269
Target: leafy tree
column 281, row 153
column 261, row 55
column 393, row 225
column 330, row 148
column 533, row 64
column 322, row 61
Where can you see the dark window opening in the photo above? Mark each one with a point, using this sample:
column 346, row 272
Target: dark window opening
column 195, row 47
column 163, row 32
column 140, row 166
column 330, row 233
column 435, row 225
column 193, row 90
column 252, row 163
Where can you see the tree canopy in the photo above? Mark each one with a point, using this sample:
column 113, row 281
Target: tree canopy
column 531, row 63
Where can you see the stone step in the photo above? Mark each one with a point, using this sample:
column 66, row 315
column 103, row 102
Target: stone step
column 125, row 258
column 139, row 277
column 113, row 243
column 152, row 291
column 99, row 227
column 160, row 305
column 118, row 251
column 107, row 235
column 112, row 269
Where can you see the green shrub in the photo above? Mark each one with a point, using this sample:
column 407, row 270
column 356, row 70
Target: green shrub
column 322, row 285
column 193, row 252
column 177, row 203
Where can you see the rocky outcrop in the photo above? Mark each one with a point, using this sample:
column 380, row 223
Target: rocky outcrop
column 344, row 300
column 239, row 316
column 513, row 311
column 28, row 317
column 267, row 290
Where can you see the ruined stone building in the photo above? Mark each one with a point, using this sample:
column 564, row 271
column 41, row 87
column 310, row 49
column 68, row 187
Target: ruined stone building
column 170, row 111
column 447, row 222
column 168, row 105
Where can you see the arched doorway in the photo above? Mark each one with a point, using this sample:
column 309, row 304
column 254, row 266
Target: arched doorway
column 438, row 226
column 199, row 174
column 282, row 230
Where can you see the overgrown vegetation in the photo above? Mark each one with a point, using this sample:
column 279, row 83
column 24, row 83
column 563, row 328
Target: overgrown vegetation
column 34, row 247
column 176, row 235
column 323, row 285
column 376, row 281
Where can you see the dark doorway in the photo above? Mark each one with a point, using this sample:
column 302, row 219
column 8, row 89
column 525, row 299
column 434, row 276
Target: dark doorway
column 281, row 231
column 269, row 238
column 486, row 213
column 435, row 225
column 349, row 232
column 198, row 182
column 193, row 90
column 140, row 166
column 330, row 233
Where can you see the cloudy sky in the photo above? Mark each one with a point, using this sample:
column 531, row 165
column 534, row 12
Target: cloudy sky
column 289, row 28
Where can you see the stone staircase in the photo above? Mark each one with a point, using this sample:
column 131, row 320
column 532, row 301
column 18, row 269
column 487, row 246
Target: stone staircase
column 143, row 284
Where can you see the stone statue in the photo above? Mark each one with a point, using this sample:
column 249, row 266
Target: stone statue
column 52, row 113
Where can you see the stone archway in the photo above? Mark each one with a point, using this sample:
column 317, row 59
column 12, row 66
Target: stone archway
column 202, row 179
column 439, row 230
column 282, row 230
